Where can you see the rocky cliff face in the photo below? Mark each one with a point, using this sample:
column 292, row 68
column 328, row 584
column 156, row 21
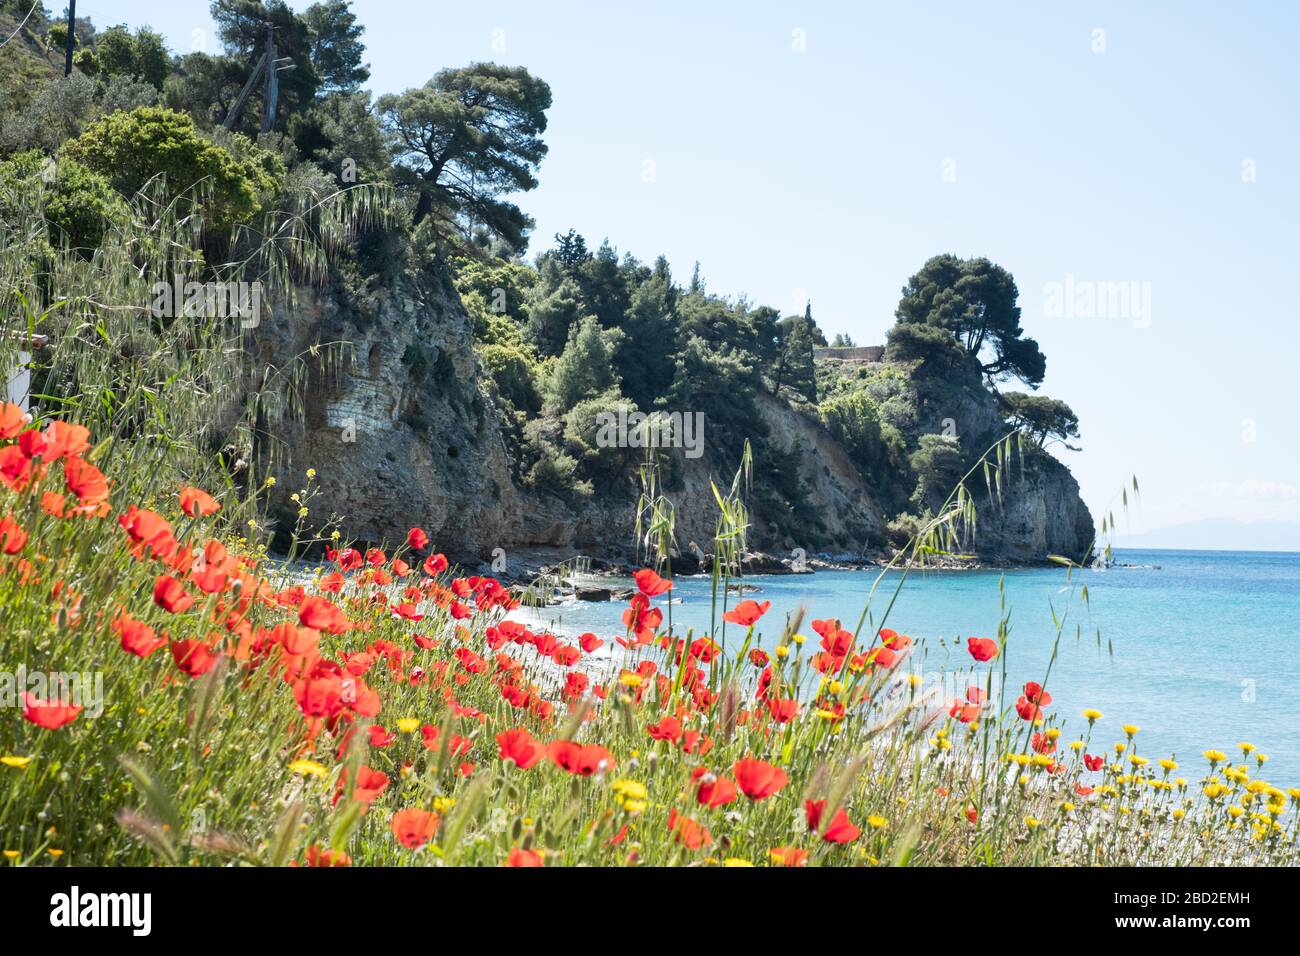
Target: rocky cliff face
column 397, row 428
column 401, row 433
column 1039, row 513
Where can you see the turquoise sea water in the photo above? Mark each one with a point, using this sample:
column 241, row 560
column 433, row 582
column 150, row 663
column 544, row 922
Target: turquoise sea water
column 1199, row 648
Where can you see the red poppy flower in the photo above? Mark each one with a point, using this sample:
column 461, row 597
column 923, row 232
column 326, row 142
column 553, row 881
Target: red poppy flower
column 566, row 655
column 48, row 714
column 54, row 504
column 414, row 827
column 518, row 745
column 381, row 737
column 416, row 539
column 1028, row 710
column 783, row 711
column 65, row 440
column 575, row 684
column 321, row 614
column 583, row 760
column 1034, row 692
column 149, row 532
column 839, row 830
column 410, row 612
column 370, row 784
column 198, row 503
column 688, row 832
column 964, row 712
column 788, row 856
column 715, row 791
column 650, row 583
column 519, row 857
column 434, row 565
column 12, row 536
column 1093, row 763
column 170, row 594
column 295, row 640
column 758, row 778
column 694, row 742
column 136, row 636
column 316, row 857
column 193, row 657
column 12, row 420
column 16, row 470
column 85, row 481
column 641, row 619
column 668, row 728
column 746, row 613
column 982, row 648
column 349, row 559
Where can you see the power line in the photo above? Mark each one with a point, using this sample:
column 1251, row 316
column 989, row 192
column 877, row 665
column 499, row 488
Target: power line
column 24, row 23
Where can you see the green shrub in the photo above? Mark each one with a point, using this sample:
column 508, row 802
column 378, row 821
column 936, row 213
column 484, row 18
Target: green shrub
column 58, row 110
column 131, row 149
column 78, row 204
column 514, row 374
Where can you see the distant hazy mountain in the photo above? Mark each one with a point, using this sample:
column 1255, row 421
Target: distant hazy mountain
column 1219, row 534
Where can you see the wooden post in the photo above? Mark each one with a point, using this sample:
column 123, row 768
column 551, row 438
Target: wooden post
column 272, row 82
column 244, row 94
column 72, row 37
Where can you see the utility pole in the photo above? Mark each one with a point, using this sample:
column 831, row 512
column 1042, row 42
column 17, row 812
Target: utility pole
column 272, row 97
column 268, row 70
column 72, row 37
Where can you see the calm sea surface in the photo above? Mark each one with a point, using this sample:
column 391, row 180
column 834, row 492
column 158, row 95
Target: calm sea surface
column 1199, row 648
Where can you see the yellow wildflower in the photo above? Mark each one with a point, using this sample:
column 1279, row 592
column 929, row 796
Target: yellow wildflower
column 631, row 789
column 309, row 768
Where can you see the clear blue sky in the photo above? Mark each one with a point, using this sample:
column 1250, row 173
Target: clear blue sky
column 823, row 173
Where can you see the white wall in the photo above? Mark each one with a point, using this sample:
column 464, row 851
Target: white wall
column 18, row 382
